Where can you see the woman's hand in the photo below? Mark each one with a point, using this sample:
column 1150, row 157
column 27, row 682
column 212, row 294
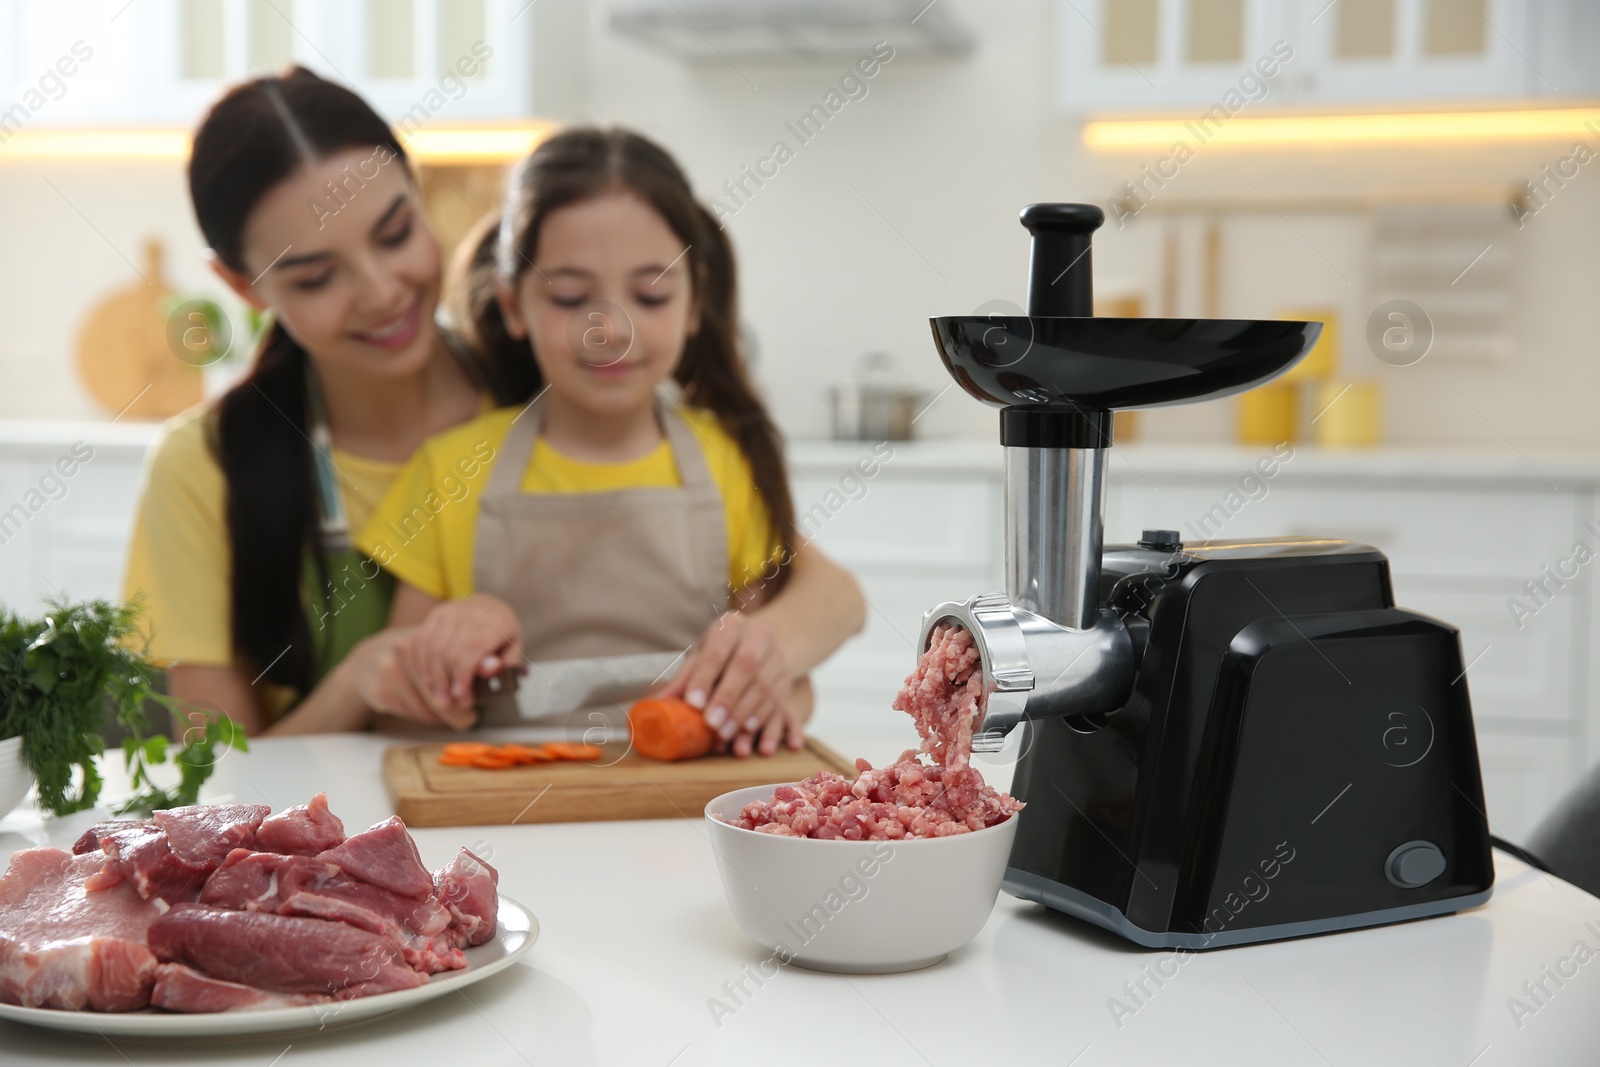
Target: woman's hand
column 384, row 683
column 458, row 642
column 739, row 675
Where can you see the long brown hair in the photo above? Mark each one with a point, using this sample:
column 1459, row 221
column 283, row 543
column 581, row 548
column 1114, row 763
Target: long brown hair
column 578, row 164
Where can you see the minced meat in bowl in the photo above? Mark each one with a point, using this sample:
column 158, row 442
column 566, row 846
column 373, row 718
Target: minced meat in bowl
column 909, row 798
column 891, row 870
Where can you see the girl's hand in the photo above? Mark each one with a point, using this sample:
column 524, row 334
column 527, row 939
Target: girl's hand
column 740, row 677
column 384, row 684
column 458, row 642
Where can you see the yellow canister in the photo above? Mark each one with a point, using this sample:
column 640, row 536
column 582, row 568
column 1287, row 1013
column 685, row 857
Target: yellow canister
column 1347, row 414
column 1323, row 359
column 1267, row 413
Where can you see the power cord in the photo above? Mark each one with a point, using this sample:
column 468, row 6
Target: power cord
column 1521, row 853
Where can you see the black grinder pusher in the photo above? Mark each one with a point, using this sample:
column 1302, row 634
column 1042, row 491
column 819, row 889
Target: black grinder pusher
column 1225, row 742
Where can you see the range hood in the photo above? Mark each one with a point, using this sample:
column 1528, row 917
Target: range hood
column 701, row 31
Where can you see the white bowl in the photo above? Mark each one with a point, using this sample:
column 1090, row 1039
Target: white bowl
column 15, row 775
column 857, row 907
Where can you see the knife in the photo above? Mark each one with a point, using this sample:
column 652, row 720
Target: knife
column 556, row 687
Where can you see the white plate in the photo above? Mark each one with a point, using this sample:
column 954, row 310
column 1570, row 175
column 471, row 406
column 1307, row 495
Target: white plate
column 515, row 934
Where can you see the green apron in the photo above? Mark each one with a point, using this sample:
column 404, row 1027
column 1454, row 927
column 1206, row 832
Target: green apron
column 351, row 605
column 351, row 601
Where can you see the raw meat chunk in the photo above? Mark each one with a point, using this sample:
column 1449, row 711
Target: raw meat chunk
column 247, row 881
column 204, row 834
column 281, row 953
column 304, row 830
column 308, row 877
column 420, row 925
column 91, row 839
column 384, row 855
column 305, row 885
column 169, row 857
column 141, row 854
column 908, row 798
column 468, row 887
column 65, row 946
column 180, row 988
column 428, row 953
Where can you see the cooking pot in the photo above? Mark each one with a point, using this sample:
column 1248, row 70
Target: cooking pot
column 875, row 405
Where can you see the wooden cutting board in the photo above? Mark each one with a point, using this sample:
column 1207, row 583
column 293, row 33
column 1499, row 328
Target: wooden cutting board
column 124, row 356
column 621, row 784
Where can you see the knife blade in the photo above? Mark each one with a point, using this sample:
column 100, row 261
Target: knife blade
column 558, row 687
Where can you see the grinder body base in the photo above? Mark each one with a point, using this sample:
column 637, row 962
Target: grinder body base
column 1297, row 756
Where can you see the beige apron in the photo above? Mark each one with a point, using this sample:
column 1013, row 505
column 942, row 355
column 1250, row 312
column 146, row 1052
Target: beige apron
column 608, row 573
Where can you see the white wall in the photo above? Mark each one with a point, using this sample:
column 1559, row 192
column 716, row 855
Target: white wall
column 70, row 234
column 947, row 152
column 941, row 154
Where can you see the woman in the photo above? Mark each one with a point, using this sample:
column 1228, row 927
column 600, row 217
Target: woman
column 253, row 598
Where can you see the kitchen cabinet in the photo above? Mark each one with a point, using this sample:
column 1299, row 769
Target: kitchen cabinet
column 66, row 535
column 1127, row 55
column 1427, row 50
column 1153, row 54
column 162, row 62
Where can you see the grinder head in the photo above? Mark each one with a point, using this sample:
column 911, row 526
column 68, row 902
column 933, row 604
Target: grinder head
column 1107, row 364
column 1048, row 647
column 1060, row 356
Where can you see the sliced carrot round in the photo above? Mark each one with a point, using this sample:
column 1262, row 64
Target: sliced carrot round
column 568, row 750
column 491, row 761
column 467, row 748
column 523, row 753
column 455, row 759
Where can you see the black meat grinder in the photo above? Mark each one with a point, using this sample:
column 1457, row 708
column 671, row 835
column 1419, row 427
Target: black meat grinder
column 1226, row 742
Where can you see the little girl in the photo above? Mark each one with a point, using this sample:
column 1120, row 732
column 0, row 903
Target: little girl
column 642, row 494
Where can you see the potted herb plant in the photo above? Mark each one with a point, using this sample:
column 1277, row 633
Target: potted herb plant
column 69, row 678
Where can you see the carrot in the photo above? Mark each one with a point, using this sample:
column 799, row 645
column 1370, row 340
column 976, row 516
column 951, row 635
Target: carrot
column 512, row 754
column 467, row 748
column 668, row 729
column 566, row 750
column 523, row 753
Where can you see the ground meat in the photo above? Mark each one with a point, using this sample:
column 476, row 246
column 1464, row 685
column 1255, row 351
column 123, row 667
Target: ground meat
column 911, row 797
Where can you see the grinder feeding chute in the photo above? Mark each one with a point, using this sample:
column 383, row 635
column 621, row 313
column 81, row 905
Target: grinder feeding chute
column 1224, row 742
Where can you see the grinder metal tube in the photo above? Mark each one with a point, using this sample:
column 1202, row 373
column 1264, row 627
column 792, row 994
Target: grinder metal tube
column 1054, row 532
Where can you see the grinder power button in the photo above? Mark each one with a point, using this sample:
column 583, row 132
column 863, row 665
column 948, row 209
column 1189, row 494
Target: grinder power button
column 1414, row 864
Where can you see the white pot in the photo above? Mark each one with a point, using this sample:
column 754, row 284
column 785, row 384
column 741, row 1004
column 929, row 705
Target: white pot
column 857, row 907
column 15, row 775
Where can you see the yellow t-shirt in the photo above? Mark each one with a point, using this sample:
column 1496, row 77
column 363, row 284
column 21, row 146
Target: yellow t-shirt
column 179, row 557
column 447, row 475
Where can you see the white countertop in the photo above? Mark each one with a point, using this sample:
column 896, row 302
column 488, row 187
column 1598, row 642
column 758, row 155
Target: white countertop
column 1565, row 470
column 636, row 937
column 1140, row 462
column 54, row 433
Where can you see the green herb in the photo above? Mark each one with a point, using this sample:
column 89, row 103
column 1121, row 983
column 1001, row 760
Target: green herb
column 57, row 675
